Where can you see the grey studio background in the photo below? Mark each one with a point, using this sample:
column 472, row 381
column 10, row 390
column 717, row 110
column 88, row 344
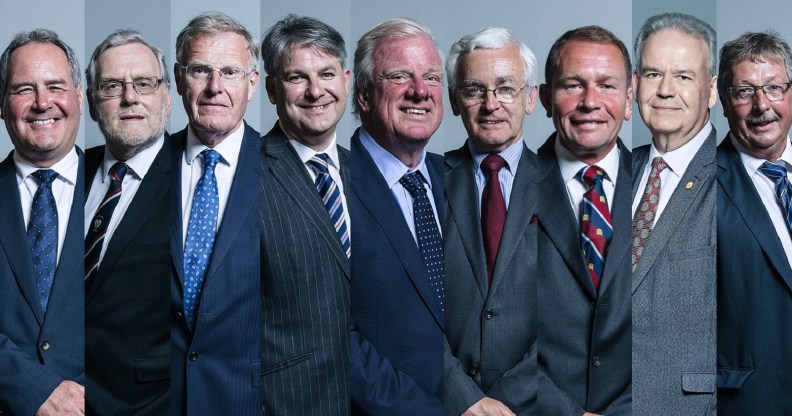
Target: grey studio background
column 84, row 23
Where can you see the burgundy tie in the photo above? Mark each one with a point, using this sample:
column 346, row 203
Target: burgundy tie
column 493, row 210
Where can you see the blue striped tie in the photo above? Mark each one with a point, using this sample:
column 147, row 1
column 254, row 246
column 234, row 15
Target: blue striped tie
column 42, row 234
column 778, row 174
column 331, row 197
column 94, row 240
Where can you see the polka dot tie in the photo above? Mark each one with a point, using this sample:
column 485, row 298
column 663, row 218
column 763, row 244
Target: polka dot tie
column 94, row 240
column 200, row 234
column 596, row 230
column 331, row 197
column 645, row 214
column 777, row 173
column 429, row 241
column 42, row 234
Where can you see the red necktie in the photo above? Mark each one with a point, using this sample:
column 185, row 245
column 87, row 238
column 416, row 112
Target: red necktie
column 493, row 210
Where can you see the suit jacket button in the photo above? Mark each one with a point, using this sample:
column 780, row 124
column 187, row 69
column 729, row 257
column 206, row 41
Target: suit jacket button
column 44, row 346
column 595, row 361
column 473, row 371
column 193, row 356
column 488, row 314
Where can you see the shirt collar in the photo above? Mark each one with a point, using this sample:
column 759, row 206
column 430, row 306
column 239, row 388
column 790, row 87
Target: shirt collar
column 66, row 168
column 305, row 153
column 138, row 164
column 570, row 165
column 391, row 168
column 679, row 158
column 753, row 163
column 510, row 154
column 228, row 148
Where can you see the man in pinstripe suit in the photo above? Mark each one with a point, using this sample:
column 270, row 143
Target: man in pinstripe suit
column 305, row 226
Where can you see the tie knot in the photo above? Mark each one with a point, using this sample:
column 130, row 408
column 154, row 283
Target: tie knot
column 319, row 163
column 118, row 171
column 45, row 176
column 658, row 164
column 413, row 183
column 492, row 163
column 210, row 157
column 776, row 172
column 590, row 175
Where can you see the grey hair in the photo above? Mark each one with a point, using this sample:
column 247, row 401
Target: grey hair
column 37, row 36
column 213, row 23
column 118, row 38
column 489, row 38
column 364, row 54
column 755, row 47
column 294, row 31
column 684, row 23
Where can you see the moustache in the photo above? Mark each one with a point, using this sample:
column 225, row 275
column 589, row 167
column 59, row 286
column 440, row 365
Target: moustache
column 761, row 119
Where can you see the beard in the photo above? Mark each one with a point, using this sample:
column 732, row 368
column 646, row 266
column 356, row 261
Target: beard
column 125, row 143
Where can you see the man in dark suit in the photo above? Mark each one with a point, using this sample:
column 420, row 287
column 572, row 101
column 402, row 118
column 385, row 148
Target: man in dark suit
column 127, row 225
column 305, row 223
column 673, row 248
column 490, row 252
column 397, row 194
column 215, row 238
column 754, row 225
column 583, row 177
column 41, row 229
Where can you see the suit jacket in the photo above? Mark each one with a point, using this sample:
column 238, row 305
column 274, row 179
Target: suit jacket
column 215, row 368
column 754, row 299
column 397, row 344
column 674, row 296
column 305, row 289
column 127, row 317
column 490, row 328
column 37, row 350
column 584, row 334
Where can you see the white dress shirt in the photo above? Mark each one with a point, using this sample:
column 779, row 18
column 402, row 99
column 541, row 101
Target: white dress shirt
column 392, row 169
column 570, row 166
column 511, row 155
column 334, row 167
column 192, row 169
column 677, row 161
column 766, row 189
column 138, row 166
column 62, row 190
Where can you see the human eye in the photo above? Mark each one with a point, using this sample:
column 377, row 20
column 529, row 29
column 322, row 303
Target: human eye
column 652, row 75
column 774, row 88
column 144, row 83
column 199, row 71
column 23, row 90
column 295, row 78
column 506, row 90
column 397, row 77
column 231, row 73
column 433, row 79
column 743, row 92
column 571, row 86
column 110, row 86
column 327, row 76
column 473, row 91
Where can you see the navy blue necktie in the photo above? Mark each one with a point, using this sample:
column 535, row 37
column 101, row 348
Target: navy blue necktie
column 94, row 240
column 778, row 174
column 200, row 234
column 429, row 241
column 596, row 231
column 331, row 197
column 42, row 234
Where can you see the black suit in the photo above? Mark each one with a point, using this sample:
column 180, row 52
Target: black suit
column 127, row 319
column 305, row 289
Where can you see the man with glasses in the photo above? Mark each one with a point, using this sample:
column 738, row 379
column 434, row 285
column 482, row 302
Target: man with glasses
column 127, row 226
column 754, row 225
column 673, row 205
column 306, row 240
column 216, row 261
column 491, row 292
column 583, row 178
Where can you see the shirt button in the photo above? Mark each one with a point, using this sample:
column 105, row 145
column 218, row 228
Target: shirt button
column 595, row 361
column 44, row 346
column 193, row 356
column 473, row 371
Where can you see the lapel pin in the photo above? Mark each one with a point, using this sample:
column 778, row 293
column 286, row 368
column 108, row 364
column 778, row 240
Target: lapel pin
column 689, row 185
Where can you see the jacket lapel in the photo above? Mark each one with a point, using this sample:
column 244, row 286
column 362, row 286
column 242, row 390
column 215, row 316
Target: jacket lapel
column 621, row 206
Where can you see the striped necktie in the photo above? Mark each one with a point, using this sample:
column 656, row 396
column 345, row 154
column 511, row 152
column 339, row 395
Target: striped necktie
column 777, row 173
column 331, row 197
column 596, row 230
column 94, row 240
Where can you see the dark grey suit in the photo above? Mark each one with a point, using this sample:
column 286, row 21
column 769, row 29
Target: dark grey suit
column 674, row 296
column 584, row 334
column 305, row 289
column 490, row 328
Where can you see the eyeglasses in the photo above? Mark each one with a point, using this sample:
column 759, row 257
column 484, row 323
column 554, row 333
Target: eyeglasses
column 204, row 72
column 475, row 94
column 745, row 93
column 115, row 87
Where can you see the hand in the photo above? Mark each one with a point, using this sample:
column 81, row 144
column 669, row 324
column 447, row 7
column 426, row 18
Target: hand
column 488, row 407
column 67, row 399
column 592, row 414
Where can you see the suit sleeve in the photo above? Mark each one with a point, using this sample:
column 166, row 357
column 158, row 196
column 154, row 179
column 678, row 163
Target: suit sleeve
column 554, row 401
column 517, row 387
column 461, row 391
column 25, row 384
column 622, row 405
column 382, row 389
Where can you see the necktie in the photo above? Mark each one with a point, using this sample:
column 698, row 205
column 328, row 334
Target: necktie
column 331, row 196
column 96, row 234
column 42, row 234
column 778, row 174
column 429, row 241
column 493, row 210
column 645, row 214
column 595, row 223
column 200, row 234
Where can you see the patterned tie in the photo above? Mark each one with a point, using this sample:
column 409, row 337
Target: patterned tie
column 645, row 214
column 331, row 196
column 429, row 241
column 96, row 234
column 778, row 174
column 42, row 234
column 493, row 210
column 200, row 234
column 596, row 231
